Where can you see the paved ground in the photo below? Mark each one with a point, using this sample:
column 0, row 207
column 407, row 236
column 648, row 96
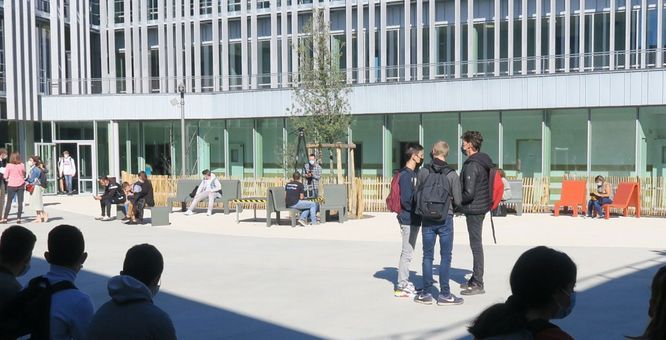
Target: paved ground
column 228, row 280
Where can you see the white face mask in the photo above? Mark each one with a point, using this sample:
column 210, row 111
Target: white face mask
column 30, row 163
column 311, row 162
column 600, row 184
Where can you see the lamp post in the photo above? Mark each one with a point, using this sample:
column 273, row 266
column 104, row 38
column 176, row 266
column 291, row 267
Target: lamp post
column 181, row 90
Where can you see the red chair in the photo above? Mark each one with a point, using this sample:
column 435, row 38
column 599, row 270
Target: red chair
column 573, row 194
column 627, row 195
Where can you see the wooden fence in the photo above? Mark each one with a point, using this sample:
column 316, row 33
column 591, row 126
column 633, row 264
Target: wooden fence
column 369, row 194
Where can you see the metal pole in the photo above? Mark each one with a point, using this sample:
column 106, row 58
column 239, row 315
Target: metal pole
column 182, row 131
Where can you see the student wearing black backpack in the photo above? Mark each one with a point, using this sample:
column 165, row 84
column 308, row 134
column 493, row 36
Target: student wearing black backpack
column 476, row 202
column 16, row 245
column 408, row 221
column 437, row 195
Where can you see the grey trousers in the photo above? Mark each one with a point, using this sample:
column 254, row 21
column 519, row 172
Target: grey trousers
column 475, row 230
column 409, row 235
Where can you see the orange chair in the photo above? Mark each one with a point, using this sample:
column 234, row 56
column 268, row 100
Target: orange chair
column 627, row 195
column 573, row 194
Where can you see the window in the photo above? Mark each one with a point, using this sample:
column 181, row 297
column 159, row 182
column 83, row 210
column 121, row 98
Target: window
column 207, row 67
column 235, row 65
column 119, row 11
column 153, row 9
column 653, row 141
column 234, row 5
column 521, row 152
column 205, row 7
column 264, row 62
column 613, row 141
column 393, row 54
column 568, row 130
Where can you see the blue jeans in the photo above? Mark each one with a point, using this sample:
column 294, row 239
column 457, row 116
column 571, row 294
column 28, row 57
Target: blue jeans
column 68, row 183
column 596, row 205
column 445, row 233
column 307, row 208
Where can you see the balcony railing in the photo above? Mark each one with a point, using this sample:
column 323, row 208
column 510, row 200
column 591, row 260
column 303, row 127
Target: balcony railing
column 443, row 71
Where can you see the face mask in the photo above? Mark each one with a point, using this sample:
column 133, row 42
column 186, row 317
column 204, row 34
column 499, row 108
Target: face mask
column 463, row 151
column 154, row 290
column 25, row 270
column 311, row 162
column 600, row 184
column 564, row 312
column 30, row 163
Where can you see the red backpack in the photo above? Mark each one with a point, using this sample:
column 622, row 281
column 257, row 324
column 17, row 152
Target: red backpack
column 496, row 188
column 393, row 199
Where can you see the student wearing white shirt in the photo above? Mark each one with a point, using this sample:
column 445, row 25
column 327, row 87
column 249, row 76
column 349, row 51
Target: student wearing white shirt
column 210, row 188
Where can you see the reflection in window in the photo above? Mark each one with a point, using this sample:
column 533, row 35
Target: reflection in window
column 568, row 130
column 264, row 63
column 235, row 65
column 613, row 141
column 393, row 54
column 445, row 49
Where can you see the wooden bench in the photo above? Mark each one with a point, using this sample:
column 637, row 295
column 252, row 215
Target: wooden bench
column 516, row 199
column 627, row 195
column 276, row 204
column 573, row 194
column 231, row 189
column 336, row 200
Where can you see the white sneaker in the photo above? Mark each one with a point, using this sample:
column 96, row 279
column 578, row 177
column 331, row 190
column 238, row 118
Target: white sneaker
column 99, row 218
column 106, row 218
column 189, row 213
column 209, row 213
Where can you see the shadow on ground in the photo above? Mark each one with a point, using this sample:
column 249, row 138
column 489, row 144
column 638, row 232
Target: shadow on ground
column 192, row 319
column 390, row 274
column 611, row 310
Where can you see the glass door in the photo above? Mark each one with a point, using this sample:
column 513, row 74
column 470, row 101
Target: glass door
column 87, row 168
column 47, row 153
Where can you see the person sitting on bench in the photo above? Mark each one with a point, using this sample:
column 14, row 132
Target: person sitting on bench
column 109, row 197
column 295, row 199
column 209, row 188
column 599, row 197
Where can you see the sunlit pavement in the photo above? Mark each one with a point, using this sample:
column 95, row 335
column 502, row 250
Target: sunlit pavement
column 224, row 279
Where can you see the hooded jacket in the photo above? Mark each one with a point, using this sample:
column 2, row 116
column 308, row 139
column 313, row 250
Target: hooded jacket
column 210, row 185
column 475, row 187
column 130, row 314
column 438, row 166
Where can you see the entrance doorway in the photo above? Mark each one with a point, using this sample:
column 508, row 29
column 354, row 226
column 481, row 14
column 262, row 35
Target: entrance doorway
column 84, row 155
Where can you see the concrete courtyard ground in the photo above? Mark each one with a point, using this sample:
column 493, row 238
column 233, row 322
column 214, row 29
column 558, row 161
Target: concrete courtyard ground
column 227, row 280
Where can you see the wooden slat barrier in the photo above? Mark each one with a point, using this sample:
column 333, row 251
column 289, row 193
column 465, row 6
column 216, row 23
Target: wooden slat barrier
column 369, row 194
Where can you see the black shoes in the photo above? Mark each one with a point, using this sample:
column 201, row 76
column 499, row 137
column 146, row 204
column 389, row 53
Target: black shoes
column 472, row 288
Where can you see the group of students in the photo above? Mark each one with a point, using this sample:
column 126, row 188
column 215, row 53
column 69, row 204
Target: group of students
column 51, row 306
column 15, row 179
column 133, row 198
column 428, row 199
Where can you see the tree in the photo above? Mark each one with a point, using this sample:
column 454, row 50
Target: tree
column 321, row 106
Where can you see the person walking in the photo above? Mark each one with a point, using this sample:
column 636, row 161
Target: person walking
column 438, row 195
column 476, row 202
column 408, row 221
column 210, row 189
column 67, row 169
column 15, row 176
column 37, row 180
column 3, row 181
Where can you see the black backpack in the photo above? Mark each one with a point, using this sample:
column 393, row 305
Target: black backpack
column 29, row 312
column 433, row 196
column 42, row 178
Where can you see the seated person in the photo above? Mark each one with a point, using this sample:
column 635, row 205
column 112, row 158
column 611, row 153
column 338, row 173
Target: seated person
column 507, row 187
column 599, row 197
column 128, row 207
column 109, row 197
column 295, row 200
column 143, row 196
column 209, row 188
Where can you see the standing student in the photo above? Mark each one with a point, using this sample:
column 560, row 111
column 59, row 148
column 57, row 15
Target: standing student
column 37, row 178
column 312, row 173
column 15, row 176
column 438, row 192
column 67, row 169
column 408, row 221
column 3, row 181
column 476, row 202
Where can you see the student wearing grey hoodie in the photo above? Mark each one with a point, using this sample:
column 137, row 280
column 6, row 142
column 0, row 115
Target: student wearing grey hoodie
column 131, row 313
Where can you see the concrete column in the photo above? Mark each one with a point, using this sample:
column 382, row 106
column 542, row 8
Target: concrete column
column 643, row 49
column 61, row 44
column 145, row 50
column 510, row 43
column 432, row 39
column 137, row 46
column 372, row 65
column 567, row 34
column 408, row 42
column 472, row 38
column 627, row 35
column 244, row 49
column 74, row 44
column 581, row 34
column 545, row 145
column 216, row 47
column 458, row 38
column 294, row 40
column 111, row 48
column 171, row 79
column 284, row 41
column 188, row 46
column 360, row 40
column 537, row 36
column 87, row 55
column 54, row 19
column 274, row 46
column 254, row 39
column 197, row 47
column 128, row 46
column 523, row 38
column 497, row 55
column 660, row 33
column 348, row 42
column 180, row 72
column 163, row 48
column 611, row 61
column 225, row 47
column 382, row 38
column 552, row 28
column 419, row 39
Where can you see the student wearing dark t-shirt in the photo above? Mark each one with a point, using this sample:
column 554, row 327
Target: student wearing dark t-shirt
column 295, row 200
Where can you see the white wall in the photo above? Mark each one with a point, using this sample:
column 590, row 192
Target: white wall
column 626, row 88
